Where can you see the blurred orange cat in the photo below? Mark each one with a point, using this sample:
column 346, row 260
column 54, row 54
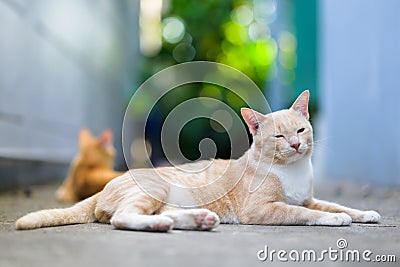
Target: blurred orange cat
column 91, row 169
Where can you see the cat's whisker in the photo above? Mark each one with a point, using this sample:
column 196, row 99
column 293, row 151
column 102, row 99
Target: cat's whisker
column 321, row 140
column 322, row 146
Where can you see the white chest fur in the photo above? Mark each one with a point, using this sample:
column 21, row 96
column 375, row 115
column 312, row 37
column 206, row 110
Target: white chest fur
column 296, row 179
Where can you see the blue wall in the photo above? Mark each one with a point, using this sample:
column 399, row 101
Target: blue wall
column 359, row 89
column 64, row 65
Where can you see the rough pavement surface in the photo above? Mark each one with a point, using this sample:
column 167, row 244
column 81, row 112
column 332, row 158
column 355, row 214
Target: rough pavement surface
column 229, row 245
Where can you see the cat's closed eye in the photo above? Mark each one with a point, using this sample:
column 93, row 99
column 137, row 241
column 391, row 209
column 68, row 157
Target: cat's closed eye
column 300, row 130
column 279, row 136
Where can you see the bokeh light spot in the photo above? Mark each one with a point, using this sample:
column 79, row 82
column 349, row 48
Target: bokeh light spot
column 184, row 52
column 212, row 91
column 219, row 118
column 173, row 30
column 259, row 31
column 287, row 42
column 243, row 15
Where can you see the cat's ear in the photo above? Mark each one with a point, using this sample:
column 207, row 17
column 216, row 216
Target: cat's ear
column 252, row 119
column 84, row 135
column 301, row 104
column 106, row 137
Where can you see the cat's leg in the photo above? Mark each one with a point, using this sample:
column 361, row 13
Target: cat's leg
column 137, row 214
column 356, row 215
column 279, row 213
column 192, row 219
column 133, row 221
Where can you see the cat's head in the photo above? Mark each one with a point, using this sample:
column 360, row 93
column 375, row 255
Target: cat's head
column 285, row 135
column 96, row 151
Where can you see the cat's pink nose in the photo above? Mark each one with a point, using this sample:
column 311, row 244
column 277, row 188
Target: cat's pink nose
column 295, row 146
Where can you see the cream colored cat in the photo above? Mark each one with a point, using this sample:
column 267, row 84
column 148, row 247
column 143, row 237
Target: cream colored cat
column 275, row 187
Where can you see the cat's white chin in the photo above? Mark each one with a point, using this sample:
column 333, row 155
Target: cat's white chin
column 295, row 157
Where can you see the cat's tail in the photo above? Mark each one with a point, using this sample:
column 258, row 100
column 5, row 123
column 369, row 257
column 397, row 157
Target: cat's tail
column 82, row 212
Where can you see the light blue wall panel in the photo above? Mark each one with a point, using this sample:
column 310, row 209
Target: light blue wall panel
column 359, row 124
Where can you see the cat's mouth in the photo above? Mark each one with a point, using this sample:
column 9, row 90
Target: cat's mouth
column 288, row 154
column 292, row 154
column 295, row 153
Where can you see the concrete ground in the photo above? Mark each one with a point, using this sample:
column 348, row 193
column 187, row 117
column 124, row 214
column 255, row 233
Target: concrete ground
column 229, row 245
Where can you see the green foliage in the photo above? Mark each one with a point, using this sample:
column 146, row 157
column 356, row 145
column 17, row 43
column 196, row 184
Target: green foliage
column 214, row 31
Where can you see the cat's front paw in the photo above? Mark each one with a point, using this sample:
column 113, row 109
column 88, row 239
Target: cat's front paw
column 369, row 216
column 334, row 219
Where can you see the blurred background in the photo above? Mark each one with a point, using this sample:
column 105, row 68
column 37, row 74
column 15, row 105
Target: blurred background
column 69, row 64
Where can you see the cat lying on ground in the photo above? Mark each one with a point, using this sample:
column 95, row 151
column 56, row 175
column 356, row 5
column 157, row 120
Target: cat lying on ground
column 279, row 157
column 91, row 169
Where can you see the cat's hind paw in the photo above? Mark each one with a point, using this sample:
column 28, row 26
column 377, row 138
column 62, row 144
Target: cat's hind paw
column 335, row 219
column 369, row 216
column 206, row 220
